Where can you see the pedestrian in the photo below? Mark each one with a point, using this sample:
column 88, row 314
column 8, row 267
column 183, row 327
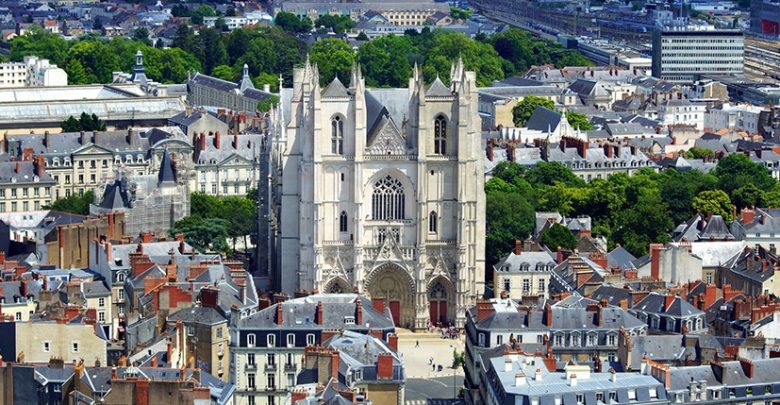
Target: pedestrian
column 417, row 344
column 430, row 360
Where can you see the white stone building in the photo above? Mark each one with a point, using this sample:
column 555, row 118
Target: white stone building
column 32, row 72
column 381, row 191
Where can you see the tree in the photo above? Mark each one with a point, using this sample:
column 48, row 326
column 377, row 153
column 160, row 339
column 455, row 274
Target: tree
column 578, row 121
column 334, row 57
column 291, row 23
column 36, row 41
column 747, row 196
column 549, row 173
column 735, row 170
column 362, row 36
column 522, row 112
column 200, row 12
column 76, row 72
column 679, row 188
column 387, row 61
column 509, row 217
column 91, row 123
column 267, row 78
column 259, row 56
column 71, row 125
column 98, row 59
column 75, row 204
column 715, row 202
column 699, row 153
column 448, row 46
column 214, row 53
column 180, row 10
column 141, row 34
column 204, row 234
column 459, row 13
column 184, row 38
column 558, row 236
column 265, row 104
column 647, row 221
column 224, row 72
column 339, row 24
column 97, row 25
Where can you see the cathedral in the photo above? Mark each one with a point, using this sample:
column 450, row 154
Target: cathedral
column 380, row 191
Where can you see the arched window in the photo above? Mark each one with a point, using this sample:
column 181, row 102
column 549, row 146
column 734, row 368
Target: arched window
column 388, row 199
column 343, row 221
column 337, row 136
column 440, row 136
column 433, row 224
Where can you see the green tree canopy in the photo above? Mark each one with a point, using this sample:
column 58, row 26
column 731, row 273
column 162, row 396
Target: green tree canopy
column 736, row 170
column 224, row 72
column 578, row 121
column 204, row 234
column 522, row 112
column 509, row 217
column 459, row 13
column 291, row 23
column 200, row 12
column 334, row 57
column 715, row 202
column 339, row 24
column 75, row 204
column 558, row 236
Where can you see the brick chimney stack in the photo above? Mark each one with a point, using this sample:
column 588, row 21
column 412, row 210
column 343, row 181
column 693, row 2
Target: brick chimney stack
column 319, row 313
column 18, row 167
column 668, row 301
column 235, row 141
column 359, row 312
column 217, row 140
column 130, row 137
column 484, row 310
column 46, row 140
column 518, row 247
column 392, row 341
column 384, row 366
column 83, row 138
column 40, row 164
column 279, row 313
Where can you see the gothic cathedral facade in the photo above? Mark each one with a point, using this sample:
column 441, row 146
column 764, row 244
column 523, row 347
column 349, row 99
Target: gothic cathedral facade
column 380, row 191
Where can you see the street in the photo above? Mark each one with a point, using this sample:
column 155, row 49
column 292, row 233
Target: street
column 433, row 391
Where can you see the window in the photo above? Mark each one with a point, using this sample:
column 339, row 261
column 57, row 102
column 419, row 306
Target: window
column 559, row 340
column 250, row 380
column 271, row 381
column 310, row 339
column 250, row 340
column 481, row 339
column 271, row 359
column 290, row 360
column 102, row 317
column 251, row 400
column 290, row 340
column 507, row 284
column 440, row 136
column 219, row 332
column 599, row 397
column 526, row 285
column 388, row 199
column 343, row 221
column 433, row 225
column 612, row 396
column 46, row 346
column 541, row 285
column 74, row 347
column 250, row 359
column 337, row 136
column 271, row 400
column 18, row 316
column 580, row 398
column 271, row 340
column 290, row 379
column 499, row 340
column 611, row 340
column 101, row 302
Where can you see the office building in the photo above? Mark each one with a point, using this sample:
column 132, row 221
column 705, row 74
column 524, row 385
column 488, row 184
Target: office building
column 684, row 55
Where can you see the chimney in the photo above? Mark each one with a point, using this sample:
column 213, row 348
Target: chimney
column 518, row 247
column 83, row 138
column 573, row 380
column 378, row 304
column 489, row 150
column 235, row 141
column 384, row 366
column 181, row 246
column 747, row 367
column 359, row 312
column 109, row 252
column 142, row 392
column 113, row 373
column 217, row 140
column 46, row 141
column 169, row 353
column 484, row 310
column 267, row 88
column 392, row 341
column 747, row 215
column 95, row 137
column 655, row 256
column 608, row 150
column 202, row 140
column 110, row 225
column 334, row 364
column 40, row 164
column 2, row 258
column 548, row 315
column 298, row 395
column 519, row 379
column 18, row 167
column 146, row 237
column 668, row 301
column 319, row 313
column 279, row 313
column 130, row 140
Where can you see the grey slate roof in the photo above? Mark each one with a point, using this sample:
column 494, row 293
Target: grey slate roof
column 201, row 315
column 620, row 257
column 25, row 175
column 335, row 89
column 544, row 119
column 716, row 229
column 655, row 303
column 167, row 173
column 438, row 89
column 526, row 261
column 95, row 289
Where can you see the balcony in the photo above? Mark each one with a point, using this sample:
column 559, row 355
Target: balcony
column 290, row 366
column 250, row 367
column 270, row 367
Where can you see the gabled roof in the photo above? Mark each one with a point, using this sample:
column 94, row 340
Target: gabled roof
column 335, row 89
column 167, row 173
column 438, row 89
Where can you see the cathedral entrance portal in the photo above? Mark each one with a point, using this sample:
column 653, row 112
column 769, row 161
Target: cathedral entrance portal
column 392, row 283
column 438, row 294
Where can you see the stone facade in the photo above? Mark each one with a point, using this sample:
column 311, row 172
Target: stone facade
column 380, row 191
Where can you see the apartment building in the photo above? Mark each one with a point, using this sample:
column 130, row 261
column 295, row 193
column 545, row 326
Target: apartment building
column 683, row 55
column 267, row 347
column 25, row 185
column 32, row 72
